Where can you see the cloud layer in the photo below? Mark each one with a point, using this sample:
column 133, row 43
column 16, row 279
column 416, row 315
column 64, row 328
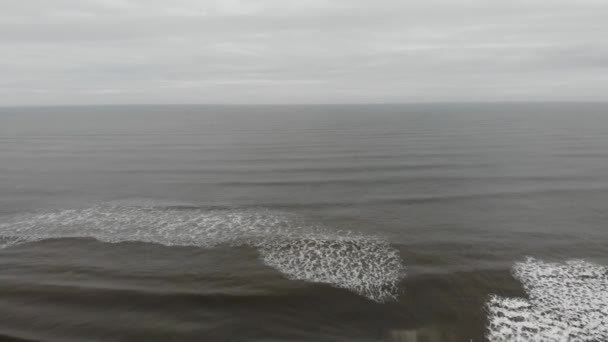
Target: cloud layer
column 313, row 51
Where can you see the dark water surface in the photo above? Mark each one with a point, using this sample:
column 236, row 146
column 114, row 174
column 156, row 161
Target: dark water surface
column 292, row 223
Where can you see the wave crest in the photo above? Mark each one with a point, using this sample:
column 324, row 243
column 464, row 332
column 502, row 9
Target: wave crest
column 366, row 265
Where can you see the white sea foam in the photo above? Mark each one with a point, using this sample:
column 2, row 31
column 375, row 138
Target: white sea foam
column 567, row 302
column 366, row 265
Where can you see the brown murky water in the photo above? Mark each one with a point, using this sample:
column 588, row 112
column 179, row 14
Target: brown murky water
column 292, row 223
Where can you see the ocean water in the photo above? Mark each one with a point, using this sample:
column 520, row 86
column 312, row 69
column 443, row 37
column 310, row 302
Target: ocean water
column 445, row 222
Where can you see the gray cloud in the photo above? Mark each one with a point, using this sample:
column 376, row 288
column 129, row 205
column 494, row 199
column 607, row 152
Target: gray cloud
column 313, row 51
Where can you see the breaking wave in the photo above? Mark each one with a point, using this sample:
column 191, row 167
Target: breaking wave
column 567, row 302
column 366, row 265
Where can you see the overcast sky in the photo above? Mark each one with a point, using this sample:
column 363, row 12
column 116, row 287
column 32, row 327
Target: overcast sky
column 301, row 51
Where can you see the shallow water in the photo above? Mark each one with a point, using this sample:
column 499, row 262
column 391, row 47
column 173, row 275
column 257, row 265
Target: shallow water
column 303, row 223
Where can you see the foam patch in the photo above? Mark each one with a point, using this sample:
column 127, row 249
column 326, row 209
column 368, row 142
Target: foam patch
column 567, row 302
column 363, row 264
column 343, row 261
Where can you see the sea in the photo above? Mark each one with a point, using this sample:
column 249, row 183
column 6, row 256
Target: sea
column 459, row 222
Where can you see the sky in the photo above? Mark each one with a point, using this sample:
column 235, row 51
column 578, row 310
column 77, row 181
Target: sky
column 301, row 51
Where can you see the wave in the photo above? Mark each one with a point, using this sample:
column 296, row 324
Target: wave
column 366, row 265
column 566, row 302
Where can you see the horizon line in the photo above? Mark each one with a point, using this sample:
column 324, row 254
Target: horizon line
column 307, row 104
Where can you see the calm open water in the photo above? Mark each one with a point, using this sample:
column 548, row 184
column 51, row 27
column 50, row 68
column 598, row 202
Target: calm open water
column 303, row 223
